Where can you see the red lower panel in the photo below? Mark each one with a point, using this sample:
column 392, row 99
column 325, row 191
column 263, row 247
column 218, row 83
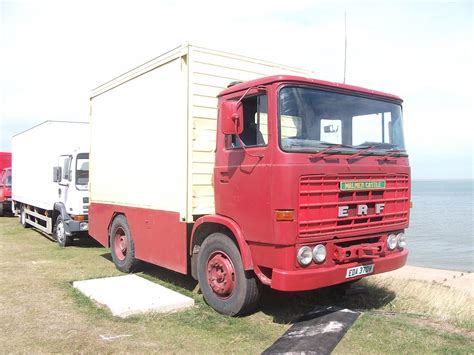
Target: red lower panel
column 159, row 236
column 311, row 279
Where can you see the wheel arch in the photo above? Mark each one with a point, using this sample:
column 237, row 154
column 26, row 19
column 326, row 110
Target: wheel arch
column 60, row 209
column 115, row 214
column 209, row 224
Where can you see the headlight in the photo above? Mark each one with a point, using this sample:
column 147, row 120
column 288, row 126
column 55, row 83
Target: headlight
column 83, row 226
column 319, row 253
column 401, row 240
column 391, row 241
column 304, row 256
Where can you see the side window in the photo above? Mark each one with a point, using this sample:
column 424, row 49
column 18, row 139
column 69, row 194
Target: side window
column 255, row 132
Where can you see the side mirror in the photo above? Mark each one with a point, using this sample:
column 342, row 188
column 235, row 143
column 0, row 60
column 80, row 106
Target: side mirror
column 232, row 117
column 57, row 174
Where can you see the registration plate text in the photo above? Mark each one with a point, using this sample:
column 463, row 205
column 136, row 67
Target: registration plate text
column 359, row 270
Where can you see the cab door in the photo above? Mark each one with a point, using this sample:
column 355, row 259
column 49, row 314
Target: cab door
column 242, row 172
column 66, row 178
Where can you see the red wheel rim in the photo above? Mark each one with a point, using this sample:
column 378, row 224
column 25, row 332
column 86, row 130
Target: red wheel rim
column 221, row 274
column 120, row 244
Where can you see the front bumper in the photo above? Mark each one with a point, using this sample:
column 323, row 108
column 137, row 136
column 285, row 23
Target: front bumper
column 74, row 227
column 311, row 279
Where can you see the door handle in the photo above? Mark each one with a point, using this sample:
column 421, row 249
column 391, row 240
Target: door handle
column 224, row 177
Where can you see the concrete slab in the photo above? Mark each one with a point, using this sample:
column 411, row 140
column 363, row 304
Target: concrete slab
column 130, row 294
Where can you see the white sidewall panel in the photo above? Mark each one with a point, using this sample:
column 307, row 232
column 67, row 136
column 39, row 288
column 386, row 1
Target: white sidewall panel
column 139, row 141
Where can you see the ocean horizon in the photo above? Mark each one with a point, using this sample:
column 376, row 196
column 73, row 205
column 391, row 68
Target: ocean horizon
column 441, row 233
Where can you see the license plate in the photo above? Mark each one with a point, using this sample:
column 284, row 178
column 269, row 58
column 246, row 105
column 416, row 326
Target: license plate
column 359, row 270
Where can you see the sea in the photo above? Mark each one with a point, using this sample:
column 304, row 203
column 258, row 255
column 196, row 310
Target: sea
column 441, row 231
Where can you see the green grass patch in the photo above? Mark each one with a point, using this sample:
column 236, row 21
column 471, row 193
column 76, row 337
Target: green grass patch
column 41, row 311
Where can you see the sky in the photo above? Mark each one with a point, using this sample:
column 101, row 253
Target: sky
column 53, row 53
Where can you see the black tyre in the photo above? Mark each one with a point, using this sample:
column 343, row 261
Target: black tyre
column 122, row 246
column 225, row 285
column 23, row 218
column 59, row 233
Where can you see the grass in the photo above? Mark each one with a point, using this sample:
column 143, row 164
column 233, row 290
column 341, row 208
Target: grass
column 41, row 312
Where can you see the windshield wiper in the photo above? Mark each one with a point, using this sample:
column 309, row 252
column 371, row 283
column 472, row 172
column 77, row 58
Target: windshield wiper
column 332, row 146
column 375, row 145
column 368, row 146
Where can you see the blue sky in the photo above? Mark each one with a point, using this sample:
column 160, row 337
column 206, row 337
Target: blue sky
column 52, row 53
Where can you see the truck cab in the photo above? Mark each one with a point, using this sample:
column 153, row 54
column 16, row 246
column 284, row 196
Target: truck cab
column 317, row 175
column 70, row 216
column 6, row 191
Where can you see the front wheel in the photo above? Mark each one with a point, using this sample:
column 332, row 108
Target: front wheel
column 23, row 218
column 223, row 281
column 122, row 245
column 60, row 233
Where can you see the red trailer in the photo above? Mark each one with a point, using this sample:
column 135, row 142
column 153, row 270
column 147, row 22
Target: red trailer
column 283, row 181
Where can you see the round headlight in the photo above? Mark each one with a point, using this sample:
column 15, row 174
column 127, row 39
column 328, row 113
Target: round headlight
column 391, row 241
column 304, row 256
column 319, row 253
column 401, row 240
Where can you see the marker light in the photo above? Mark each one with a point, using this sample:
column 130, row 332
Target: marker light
column 392, row 241
column 285, row 215
column 304, row 256
column 319, row 253
column 401, row 240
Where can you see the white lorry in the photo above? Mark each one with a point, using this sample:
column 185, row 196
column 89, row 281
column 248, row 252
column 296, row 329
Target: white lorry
column 50, row 164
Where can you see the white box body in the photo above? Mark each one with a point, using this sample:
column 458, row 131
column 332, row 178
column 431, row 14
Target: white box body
column 34, row 154
column 153, row 129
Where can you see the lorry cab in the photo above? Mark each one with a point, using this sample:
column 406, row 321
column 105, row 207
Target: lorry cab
column 5, row 191
column 323, row 173
column 71, row 209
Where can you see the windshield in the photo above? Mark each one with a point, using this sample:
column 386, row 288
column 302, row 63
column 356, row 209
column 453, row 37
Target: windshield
column 311, row 120
column 7, row 178
column 82, row 170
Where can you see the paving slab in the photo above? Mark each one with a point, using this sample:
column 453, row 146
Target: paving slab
column 131, row 294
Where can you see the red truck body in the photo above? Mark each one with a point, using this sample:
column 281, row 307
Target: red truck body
column 303, row 197
column 5, row 182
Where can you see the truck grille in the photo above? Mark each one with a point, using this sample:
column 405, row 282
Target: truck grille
column 320, row 198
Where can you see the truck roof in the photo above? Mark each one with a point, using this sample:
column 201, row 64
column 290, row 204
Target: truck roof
column 302, row 80
column 46, row 122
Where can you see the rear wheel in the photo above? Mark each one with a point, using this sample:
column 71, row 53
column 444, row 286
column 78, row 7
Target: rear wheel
column 60, row 233
column 225, row 285
column 122, row 245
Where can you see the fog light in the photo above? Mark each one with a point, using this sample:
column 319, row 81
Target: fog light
column 83, row 226
column 391, row 241
column 304, row 256
column 319, row 253
column 401, row 240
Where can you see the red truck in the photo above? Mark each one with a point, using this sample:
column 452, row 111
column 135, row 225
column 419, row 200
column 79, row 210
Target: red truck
column 284, row 181
column 5, row 183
